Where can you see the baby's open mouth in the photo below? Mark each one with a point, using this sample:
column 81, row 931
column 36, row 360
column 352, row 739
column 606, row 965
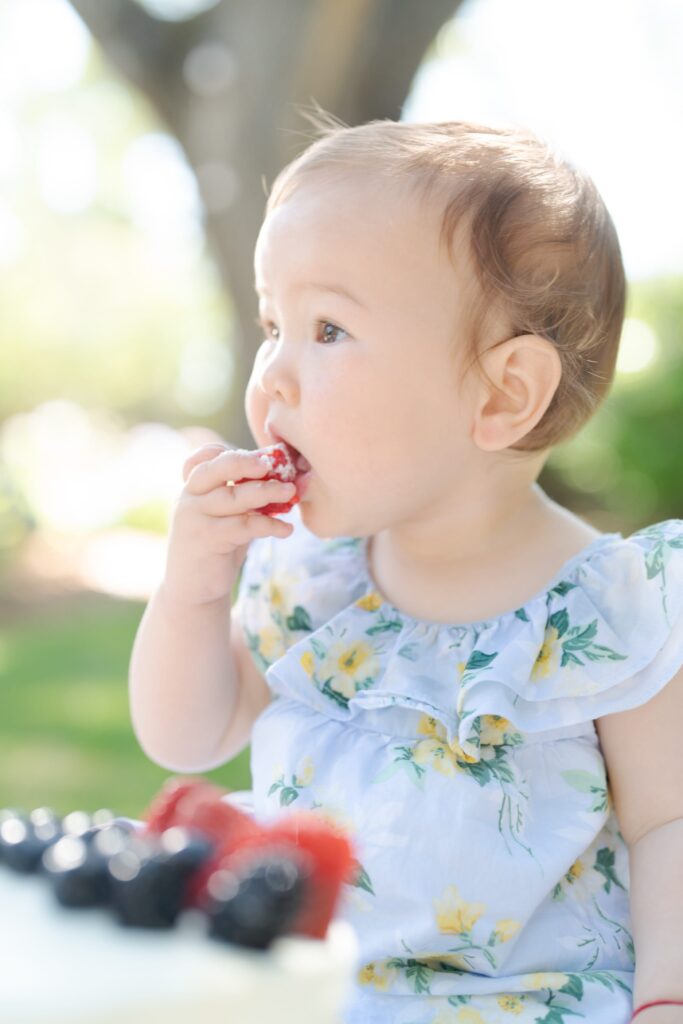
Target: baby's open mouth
column 301, row 462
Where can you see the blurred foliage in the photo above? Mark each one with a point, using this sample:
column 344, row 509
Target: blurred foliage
column 65, row 733
column 623, row 469
column 16, row 519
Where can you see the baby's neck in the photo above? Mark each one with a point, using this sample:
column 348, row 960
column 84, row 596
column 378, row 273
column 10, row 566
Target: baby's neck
column 484, row 576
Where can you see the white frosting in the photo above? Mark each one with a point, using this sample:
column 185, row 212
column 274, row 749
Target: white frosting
column 285, row 471
column 60, row 966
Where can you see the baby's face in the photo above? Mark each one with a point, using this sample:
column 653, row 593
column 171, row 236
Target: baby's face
column 360, row 311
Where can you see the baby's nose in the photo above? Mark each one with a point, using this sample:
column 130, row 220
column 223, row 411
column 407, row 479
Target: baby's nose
column 274, row 373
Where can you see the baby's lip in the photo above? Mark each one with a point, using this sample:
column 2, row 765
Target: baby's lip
column 300, row 461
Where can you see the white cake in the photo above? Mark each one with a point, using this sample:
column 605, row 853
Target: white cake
column 60, row 966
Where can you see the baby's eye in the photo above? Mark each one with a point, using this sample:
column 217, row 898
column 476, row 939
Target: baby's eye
column 265, row 326
column 327, row 336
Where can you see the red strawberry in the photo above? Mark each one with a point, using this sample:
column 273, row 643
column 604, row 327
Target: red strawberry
column 332, row 864
column 282, row 466
column 164, row 808
column 196, row 804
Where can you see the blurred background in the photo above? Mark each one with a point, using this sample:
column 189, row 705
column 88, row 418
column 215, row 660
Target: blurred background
column 137, row 139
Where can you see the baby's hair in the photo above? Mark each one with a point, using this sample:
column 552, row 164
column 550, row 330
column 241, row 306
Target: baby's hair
column 543, row 246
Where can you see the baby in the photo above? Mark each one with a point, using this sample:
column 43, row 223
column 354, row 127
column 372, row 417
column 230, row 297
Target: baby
column 426, row 649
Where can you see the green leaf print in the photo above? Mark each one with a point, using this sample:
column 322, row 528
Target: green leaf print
column 562, row 588
column 385, row 625
column 404, row 761
column 410, row 651
column 586, row 782
column 573, row 987
column 320, row 649
column 580, row 640
column 339, row 698
column 288, row 794
column 299, row 619
column 478, row 659
column 556, row 1014
column 560, row 621
column 604, row 863
column 606, row 979
column 656, row 558
column 521, row 614
column 254, row 645
column 361, row 878
column 414, row 971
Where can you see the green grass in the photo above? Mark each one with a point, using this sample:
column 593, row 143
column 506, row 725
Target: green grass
column 66, row 740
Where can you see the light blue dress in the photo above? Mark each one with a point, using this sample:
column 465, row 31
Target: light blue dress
column 492, row 881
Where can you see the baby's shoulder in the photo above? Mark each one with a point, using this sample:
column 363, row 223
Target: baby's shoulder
column 631, row 563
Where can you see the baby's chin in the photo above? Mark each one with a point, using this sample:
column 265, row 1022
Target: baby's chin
column 328, row 524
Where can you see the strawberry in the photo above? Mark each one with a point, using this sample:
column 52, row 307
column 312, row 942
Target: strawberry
column 332, row 860
column 239, row 841
column 163, row 811
column 282, row 466
column 196, row 804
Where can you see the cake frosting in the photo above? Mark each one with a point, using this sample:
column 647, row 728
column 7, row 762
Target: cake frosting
column 81, row 967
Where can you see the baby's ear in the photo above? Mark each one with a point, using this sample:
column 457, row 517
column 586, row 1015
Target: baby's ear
column 523, row 375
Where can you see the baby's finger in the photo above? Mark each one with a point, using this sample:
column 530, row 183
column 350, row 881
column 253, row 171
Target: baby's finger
column 234, row 531
column 241, row 498
column 207, row 451
column 231, row 464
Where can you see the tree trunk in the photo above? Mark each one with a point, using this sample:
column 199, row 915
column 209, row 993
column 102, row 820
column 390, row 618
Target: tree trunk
column 227, row 82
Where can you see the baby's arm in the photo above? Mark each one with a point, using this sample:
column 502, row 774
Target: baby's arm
column 194, row 690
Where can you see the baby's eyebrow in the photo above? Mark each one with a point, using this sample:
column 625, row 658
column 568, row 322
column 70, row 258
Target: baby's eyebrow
column 334, row 289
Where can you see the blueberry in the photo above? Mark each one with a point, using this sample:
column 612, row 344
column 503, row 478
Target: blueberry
column 146, row 888
column 77, row 866
column 23, row 840
column 184, row 850
column 255, row 907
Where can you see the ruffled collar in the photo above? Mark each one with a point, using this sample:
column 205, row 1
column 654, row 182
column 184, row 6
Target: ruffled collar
column 569, row 654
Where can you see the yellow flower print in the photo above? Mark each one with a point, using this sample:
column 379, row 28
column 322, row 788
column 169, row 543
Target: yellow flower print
column 470, row 1016
column 275, row 594
column 437, row 755
column 493, row 729
column 510, row 1003
column 270, row 643
column 305, row 777
column 453, row 959
column 428, row 726
column 506, row 928
column 453, row 915
column 547, row 979
column 445, row 1017
column 347, row 666
column 307, row 662
column 438, row 752
column 370, row 603
column 575, row 871
column 377, row 974
column 548, row 659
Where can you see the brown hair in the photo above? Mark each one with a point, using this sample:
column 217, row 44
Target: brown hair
column 543, row 245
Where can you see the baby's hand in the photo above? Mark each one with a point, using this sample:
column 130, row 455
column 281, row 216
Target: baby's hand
column 213, row 523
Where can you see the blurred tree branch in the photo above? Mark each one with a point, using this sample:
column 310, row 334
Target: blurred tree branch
column 356, row 59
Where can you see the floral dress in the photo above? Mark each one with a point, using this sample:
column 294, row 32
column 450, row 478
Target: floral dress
column 492, row 882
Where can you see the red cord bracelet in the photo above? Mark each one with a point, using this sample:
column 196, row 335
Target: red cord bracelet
column 658, row 1002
